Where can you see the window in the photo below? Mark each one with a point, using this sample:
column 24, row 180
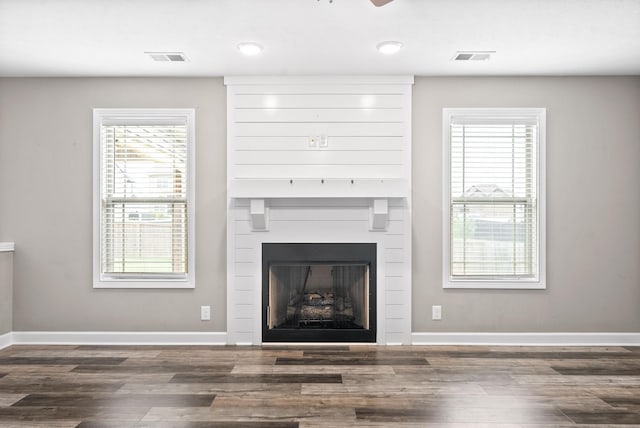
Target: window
column 143, row 196
column 494, row 234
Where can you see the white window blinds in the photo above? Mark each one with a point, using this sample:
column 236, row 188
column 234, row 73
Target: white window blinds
column 144, row 198
column 493, row 197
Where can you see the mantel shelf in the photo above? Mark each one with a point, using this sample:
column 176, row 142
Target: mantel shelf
column 319, row 188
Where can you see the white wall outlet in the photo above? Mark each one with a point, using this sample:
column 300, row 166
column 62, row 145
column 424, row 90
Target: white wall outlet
column 436, row 312
column 205, row 313
column 318, row 141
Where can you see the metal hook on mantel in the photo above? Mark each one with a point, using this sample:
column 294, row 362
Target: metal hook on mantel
column 322, row 181
column 291, row 181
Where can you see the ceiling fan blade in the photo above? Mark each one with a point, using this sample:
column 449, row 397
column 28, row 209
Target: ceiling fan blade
column 379, row 3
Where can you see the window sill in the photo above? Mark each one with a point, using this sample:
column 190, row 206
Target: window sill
column 495, row 285
column 144, row 284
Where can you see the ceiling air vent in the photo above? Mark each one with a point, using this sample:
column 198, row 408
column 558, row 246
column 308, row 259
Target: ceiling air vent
column 168, row 56
column 473, row 55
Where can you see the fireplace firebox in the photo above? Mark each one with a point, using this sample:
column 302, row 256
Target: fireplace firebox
column 319, row 292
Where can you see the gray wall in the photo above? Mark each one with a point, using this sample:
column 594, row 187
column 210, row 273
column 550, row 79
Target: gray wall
column 593, row 225
column 593, row 207
column 6, row 292
column 46, row 204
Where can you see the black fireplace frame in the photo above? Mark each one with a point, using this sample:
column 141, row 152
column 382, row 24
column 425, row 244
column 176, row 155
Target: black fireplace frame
column 319, row 253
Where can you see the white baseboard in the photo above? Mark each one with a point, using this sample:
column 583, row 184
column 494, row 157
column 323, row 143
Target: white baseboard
column 220, row 338
column 527, row 339
column 118, row 338
column 6, row 340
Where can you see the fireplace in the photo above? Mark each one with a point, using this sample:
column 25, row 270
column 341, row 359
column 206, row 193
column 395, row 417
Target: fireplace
column 339, row 191
column 319, row 292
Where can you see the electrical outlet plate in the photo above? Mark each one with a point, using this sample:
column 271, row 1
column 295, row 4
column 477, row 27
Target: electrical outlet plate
column 205, row 313
column 436, row 312
column 318, row 141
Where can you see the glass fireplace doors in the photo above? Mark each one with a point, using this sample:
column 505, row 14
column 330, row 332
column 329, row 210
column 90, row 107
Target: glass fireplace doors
column 319, row 292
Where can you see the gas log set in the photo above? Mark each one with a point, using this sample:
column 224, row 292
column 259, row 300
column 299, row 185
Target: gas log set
column 319, row 309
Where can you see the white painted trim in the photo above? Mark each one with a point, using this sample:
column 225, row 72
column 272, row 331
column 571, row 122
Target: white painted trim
column 7, row 246
column 528, row 339
column 220, row 338
column 6, row 340
column 319, row 80
column 118, row 338
column 259, row 214
column 507, row 113
column 378, row 215
column 314, row 188
column 162, row 114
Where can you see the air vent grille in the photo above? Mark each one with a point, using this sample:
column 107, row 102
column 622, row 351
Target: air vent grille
column 168, row 56
column 473, row 55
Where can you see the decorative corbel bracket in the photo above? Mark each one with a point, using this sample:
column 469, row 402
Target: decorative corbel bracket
column 378, row 215
column 259, row 215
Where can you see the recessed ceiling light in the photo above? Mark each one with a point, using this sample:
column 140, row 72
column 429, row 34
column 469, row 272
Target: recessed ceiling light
column 389, row 47
column 250, row 48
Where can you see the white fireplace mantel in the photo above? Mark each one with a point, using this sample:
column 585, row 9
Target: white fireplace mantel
column 319, row 188
column 324, row 159
column 259, row 212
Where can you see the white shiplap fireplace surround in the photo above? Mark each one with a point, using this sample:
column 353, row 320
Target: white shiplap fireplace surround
column 319, row 160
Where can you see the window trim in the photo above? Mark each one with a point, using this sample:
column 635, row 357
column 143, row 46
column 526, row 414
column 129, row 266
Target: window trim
column 494, row 283
column 127, row 114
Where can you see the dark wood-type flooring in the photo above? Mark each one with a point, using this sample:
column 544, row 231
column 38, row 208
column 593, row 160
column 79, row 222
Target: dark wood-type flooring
column 308, row 386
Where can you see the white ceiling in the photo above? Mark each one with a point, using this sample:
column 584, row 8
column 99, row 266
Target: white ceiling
column 109, row 37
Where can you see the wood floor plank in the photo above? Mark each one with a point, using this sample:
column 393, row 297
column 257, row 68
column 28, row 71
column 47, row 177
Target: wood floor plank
column 621, row 401
column 302, row 369
column 340, row 417
column 319, row 386
column 271, row 390
column 8, row 398
column 332, row 348
column 155, row 368
column 339, row 361
column 10, row 361
column 451, row 389
column 598, row 371
column 88, row 353
column 428, row 377
column 48, row 424
column 116, row 400
column 36, row 368
column 364, row 354
column 43, row 415
column 20, row 385
column 536, row 355
column 193, row 424
column 427, row 414
column 613, row 417
column 71, row 377
column 257, row 378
